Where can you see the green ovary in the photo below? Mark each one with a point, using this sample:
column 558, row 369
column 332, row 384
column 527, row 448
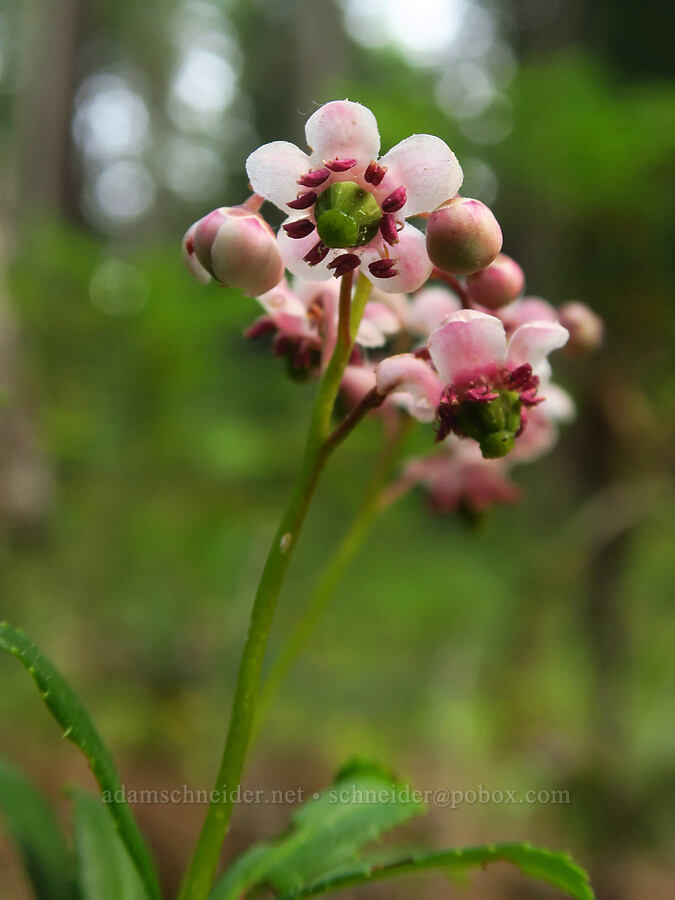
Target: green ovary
column 346, row 215
column 494, row 425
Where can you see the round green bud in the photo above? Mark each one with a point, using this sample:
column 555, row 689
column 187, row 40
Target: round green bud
column 346, row 215
column 337, row 229
column 493, row 425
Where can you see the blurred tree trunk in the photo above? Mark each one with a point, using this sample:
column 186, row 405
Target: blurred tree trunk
column 45, row 171
column 39, row 181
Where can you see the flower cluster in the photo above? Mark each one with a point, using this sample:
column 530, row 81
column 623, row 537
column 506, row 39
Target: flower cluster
column 446, row 336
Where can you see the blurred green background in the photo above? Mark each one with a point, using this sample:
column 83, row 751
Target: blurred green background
column 146, row 448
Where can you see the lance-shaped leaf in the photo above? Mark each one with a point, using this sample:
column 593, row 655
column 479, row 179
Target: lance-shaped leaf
column 29, row 819
column 363, row 803
column 68, row 711
column 105, row 871
column 556, row 869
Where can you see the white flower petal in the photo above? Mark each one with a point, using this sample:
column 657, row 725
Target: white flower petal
column 558, row 404
column 427, row 168
column 292, row 251
column 274, row 169
column 412, row 383
column 343, row 130
column 532, row 343
column 281, row 301
column 382, row 316
column 369, row 335
column 467, row 343
column 412, row 262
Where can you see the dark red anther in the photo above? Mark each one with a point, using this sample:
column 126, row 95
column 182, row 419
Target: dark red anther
column 481, row 394
column 447, row 414
column 316, row 255
column 383, row 268
column 529, row 397
column 302, row 358
column 299, row 229
column 388, row 229
column 343, row 263
column 375, row 173
column 262, row 326
column 422, row 353
column 314, row 178
column 522, row 378
column 303, row 201
column 341, row 165
column 190, row 244
column 281, row 344
column 395, row 200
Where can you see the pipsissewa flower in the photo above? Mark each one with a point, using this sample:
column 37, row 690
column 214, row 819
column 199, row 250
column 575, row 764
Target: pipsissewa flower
column 346, row 208
column 475, row 383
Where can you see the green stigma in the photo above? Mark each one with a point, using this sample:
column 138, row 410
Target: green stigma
column 346, row 215
column 494, row 425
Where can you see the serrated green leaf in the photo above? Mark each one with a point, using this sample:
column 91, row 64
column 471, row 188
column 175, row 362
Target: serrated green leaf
column 68, row 711
column 556, row 869
column 105, row 871
column 325, row 833
column 29, row 819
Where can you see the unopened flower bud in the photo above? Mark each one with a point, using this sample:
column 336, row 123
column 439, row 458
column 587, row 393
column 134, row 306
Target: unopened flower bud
column 463, row 236
column 194, row 267
column 239, row 249
column 497, row 284
column 585, row 327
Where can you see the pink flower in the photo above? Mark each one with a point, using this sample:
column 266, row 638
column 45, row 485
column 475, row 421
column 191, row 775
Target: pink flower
column 296, row 328
column 475, row 382
column 587, row 330
column 346, row 207
column 304, row 321
column 459, row 479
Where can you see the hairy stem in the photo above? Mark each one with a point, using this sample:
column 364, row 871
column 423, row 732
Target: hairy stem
column 202, row 869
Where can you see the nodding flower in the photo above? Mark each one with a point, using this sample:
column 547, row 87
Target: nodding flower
column 474, row 382
column 458, row 479
column 303, row 318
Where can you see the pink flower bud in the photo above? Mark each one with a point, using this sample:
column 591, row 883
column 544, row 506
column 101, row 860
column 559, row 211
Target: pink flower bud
column 239, row 249
column 585, row 327
column 498, row 284
column 194, row 267
column 463, row 236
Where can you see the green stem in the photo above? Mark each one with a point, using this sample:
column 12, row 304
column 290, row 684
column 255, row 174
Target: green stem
column 200, row 875
column 372, row 504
